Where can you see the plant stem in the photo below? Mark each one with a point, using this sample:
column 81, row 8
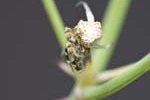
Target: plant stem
column 112, row 24
column 119, row 82
column 55, row 20
column 110, row 74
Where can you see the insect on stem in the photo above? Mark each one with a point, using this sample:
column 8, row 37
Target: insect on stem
column 89, row 14
column 80, row 39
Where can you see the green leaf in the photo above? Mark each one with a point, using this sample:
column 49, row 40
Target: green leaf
column 111, row 25
column 55, row 20
column 119, row 82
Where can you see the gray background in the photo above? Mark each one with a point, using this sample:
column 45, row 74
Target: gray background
column 29, row 48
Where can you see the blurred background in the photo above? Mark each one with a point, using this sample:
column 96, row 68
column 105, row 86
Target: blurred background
column 30, row 50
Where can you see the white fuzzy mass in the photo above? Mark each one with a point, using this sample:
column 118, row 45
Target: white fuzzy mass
column 89, row 31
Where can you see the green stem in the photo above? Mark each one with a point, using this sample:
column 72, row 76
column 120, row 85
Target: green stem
column 110, row 74
column 112, row 24
column 55, row 20
column 119, row 82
